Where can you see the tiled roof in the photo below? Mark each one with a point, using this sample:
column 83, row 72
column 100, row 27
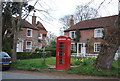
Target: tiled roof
column 94, row 23
column 26, row 24
column 40, row 26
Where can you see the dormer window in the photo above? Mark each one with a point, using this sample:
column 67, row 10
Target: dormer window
column 72, row 34
column 29, row 32
column 98, row 32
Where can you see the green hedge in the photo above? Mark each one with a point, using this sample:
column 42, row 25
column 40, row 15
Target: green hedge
column 52, row 50
column 31, row 55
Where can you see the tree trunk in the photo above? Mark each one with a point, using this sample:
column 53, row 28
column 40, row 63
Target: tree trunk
column 16, row 31
column 14, row 57
column 0, row 26
column 109, row 47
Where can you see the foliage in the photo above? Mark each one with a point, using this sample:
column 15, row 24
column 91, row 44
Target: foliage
column 7, row 46
column 29, row 55
column 73, row 51
column 86, row 67
column 78, row 35
column 52, row 50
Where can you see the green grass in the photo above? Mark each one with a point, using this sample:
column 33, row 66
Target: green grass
column 84, row 67
column 87, row 68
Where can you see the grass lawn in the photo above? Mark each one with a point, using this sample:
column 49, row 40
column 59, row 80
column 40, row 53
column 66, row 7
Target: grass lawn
column 33, row 64
column 84, row 66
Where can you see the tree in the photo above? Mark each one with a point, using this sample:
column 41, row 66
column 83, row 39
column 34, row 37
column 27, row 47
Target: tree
column 11, row 25
column 50, row 37
column 0, row 27
column 81, row 13
column 109, row 46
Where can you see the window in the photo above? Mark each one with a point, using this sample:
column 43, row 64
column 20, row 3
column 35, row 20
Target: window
column 29, row 45
column 73, row 47
column 97, row 47
column 98, row 32
column 72, row 34
column 29, row 32
column 39, row 36
column 44, row 35
column 39, row 41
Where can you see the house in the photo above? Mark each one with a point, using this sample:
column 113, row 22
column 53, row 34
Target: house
column 30, row 35
column 91, row 32
column 42, row 33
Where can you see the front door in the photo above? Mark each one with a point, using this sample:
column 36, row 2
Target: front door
column 81, row 49
column 20, row 47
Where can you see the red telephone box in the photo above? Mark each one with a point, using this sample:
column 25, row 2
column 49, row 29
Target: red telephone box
column 63, row 50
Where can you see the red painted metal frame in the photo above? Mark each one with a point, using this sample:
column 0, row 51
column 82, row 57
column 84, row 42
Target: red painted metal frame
column 63, row 63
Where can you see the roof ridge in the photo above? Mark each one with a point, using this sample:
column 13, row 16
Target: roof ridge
column 98, row 18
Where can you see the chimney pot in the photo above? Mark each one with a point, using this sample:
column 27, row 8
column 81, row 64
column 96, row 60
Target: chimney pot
column 34, row 19
column 71, row 21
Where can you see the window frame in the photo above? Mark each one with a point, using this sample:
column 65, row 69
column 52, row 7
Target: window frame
column 40, row 37
column 96, row 47
column 30, row 45
column 73, row 48
column 70, row 34
column 98, row 35
column 27, row 32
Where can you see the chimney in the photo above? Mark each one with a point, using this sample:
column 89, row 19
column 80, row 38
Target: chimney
column 71, row 21
column 34, row 19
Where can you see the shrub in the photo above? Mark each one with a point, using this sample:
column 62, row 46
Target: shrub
column 48, row 53
column 77, row 62
column 73, row 51
column 38, row 53
column 52, row 50
column 28, row 55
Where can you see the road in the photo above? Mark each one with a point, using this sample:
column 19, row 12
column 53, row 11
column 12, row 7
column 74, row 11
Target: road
column 20, row 74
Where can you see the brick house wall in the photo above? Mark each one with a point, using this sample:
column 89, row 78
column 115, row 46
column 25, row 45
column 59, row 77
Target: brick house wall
column 34, row 39
column 43, row 33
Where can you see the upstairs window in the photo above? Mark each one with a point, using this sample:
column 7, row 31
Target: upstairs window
column 44, row 35
column 97, row 47
column 98, row 32
column 29, row 32
column 39, row 36
column 72, row 34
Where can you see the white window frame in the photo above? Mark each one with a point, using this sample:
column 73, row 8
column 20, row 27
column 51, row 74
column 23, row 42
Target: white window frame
column 73, row 48
column 30, row 45
column 27, row 33
column 98, row 35
column 40, row 36
column 70, row 34
column 95, row 47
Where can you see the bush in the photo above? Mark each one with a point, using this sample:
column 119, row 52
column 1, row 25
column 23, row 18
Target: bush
column 38, row 53
column 77, row 62
column 28, row 55
column 73, row 51
column 52, row 50
column 48, row 53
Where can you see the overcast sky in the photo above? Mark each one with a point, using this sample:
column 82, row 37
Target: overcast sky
column 59, row 8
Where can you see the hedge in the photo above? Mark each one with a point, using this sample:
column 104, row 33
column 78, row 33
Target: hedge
column 31, row 55
column 52, row 50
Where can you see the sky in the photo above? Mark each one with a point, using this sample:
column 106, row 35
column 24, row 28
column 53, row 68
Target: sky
column 60, row 8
